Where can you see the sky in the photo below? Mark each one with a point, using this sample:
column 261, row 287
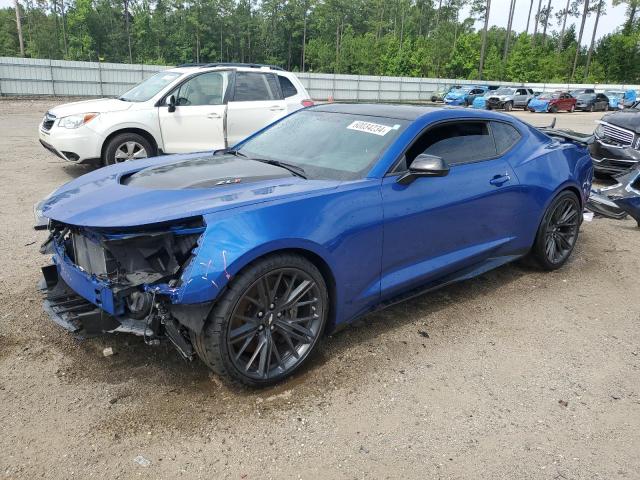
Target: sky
column 500, row 10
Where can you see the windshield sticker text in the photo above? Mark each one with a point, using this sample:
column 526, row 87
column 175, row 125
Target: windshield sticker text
column 369, row 127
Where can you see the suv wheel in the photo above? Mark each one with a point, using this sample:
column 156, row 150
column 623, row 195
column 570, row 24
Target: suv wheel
column 508, row 106
column 267, row 323
column 125, row 147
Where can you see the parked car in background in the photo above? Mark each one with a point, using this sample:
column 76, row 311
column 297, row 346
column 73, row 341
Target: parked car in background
column 509, row 98
column 552, row 102
column 592, row 102
column 480, row 102
column 630, row 98
column 438, row 96
column 617, row 142
column 465, row 95
column 581, row 91
column 247, row 257
column 184, row 109
column 616, row 98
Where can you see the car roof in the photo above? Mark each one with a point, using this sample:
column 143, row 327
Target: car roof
column 401, row 112
column 243, row 67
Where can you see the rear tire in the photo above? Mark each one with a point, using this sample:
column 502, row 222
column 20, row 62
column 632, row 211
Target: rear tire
column 125, row 147
column 254, row 335
column 558, row 232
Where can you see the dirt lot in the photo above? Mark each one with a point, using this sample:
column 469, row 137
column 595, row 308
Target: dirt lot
column 515, row 375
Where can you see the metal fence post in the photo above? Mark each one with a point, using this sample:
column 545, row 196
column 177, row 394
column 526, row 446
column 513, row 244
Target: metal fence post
column 379, row 86
column 358, row 89
column 53, row 83
column 100, row 78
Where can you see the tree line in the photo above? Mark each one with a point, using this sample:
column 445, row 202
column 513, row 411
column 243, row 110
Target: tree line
column 430, row 38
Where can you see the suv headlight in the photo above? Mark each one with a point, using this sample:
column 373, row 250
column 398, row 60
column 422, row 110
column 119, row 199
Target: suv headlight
column 75, row 121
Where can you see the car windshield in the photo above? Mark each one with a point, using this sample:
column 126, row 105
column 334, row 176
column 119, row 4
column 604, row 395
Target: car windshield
column 150, row 87
column 504, row 91
column 327, row 145
column 548, row 95
column 612, row 94
column 586, row 96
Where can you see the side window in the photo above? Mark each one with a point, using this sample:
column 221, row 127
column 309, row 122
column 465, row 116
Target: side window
column 205, row 89
column 456, row 143
column 505, row 135
column 251, row 87
column 288, row 89
column 520, row 92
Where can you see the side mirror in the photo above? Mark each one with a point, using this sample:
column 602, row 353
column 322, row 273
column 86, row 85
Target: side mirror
column 171, row 103
column 424, row 165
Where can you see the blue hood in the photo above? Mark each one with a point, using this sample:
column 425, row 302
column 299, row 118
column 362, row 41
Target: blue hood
column 170, row 188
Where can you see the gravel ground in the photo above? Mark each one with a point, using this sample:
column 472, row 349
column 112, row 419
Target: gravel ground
column 517, row 374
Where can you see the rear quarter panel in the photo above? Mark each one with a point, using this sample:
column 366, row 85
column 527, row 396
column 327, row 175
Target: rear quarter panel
column 547, row 168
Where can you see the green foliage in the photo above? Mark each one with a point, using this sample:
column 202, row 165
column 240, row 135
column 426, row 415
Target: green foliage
column 367, row 37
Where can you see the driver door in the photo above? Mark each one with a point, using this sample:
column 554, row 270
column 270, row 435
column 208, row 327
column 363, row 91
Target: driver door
column 198, row 121
column 439, row 225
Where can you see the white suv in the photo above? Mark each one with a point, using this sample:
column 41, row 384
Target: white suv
column 184, row 109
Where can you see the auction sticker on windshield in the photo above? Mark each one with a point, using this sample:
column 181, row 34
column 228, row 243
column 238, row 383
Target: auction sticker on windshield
column 369, row 127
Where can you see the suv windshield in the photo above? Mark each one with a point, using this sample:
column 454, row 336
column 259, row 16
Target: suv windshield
column 149, row 87
column 504, row 91
column 327, row 145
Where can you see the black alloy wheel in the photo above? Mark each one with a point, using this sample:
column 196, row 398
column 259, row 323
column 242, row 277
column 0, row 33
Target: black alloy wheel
column 274, row 324
column 558, row 232
column 267, row 323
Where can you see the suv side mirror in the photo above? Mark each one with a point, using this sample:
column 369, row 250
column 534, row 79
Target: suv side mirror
column 171, row 103
column 424, row 165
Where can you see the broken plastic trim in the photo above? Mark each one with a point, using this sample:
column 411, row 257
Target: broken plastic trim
column 619, row 200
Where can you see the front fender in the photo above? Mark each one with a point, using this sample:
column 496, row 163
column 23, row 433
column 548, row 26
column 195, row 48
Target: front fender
column 342, row 227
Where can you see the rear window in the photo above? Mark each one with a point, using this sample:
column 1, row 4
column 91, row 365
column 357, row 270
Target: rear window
column 288, row 89
column 251, row 87
column 505, row 135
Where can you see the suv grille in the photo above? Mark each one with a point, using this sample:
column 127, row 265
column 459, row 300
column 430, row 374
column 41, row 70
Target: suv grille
column 617, row 136
column 47, row 121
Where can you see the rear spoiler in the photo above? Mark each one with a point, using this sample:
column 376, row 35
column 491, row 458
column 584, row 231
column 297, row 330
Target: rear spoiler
column 564, row 134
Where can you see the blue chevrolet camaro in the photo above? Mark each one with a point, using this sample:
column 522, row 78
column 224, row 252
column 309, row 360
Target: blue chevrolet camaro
column 244, row 257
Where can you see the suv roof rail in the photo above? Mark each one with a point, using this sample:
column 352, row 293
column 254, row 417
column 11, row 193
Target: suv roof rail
column 231, row 64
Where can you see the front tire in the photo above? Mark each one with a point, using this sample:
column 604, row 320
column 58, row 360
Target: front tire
column 125, row 147
column 508, row 107
column 267, row 323
column 558, row 232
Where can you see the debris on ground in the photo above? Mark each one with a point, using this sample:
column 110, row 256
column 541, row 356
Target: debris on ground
column 107, row 352
column 563, row 403
column 143, row 462
column 423, row 333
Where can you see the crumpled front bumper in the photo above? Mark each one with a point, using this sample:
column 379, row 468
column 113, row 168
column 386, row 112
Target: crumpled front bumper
column 612, row 159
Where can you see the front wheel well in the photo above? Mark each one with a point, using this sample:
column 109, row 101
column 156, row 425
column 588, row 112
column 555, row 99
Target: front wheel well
column 320, row 264
column 138, row 131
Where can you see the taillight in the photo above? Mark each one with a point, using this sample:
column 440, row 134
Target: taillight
column 307, row 102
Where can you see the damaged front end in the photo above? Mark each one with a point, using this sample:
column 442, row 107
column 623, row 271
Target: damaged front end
column 103, row 280
column 619, row 200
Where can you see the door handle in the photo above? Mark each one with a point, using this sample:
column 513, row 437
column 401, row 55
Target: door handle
column 499, row 180
column 213, row 115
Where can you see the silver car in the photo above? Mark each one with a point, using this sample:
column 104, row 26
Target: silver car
column 509, row 97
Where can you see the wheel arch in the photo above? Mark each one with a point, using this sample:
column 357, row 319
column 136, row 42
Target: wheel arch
column 140, row 131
